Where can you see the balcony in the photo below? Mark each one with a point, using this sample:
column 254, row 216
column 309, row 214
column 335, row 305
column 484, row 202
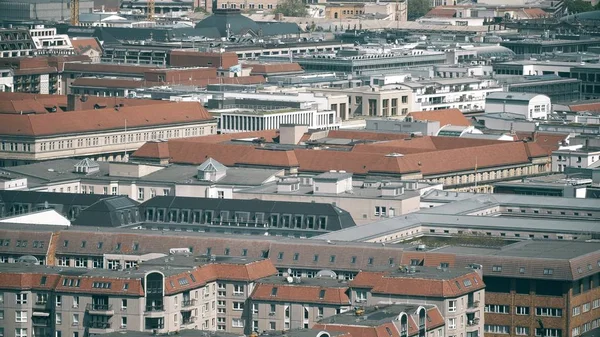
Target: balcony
column 99, row 327
column 189, row 320
column 473, row 322
column 155, row 310
column 473, row 306
column 100, row 309
column 188, row 303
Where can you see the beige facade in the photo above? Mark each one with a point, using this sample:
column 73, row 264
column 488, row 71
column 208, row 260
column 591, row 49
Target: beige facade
column 247, row 5
column 374, row 101
column 343, row 10
column 272, row 316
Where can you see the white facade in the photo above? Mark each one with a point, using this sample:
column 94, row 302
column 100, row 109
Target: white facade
column 45, row 217
column 46, row 38
column 530, row 106
column 243, row 121
column 580, row 158
column 465, row 94
column 6, row 80
column 11, row 183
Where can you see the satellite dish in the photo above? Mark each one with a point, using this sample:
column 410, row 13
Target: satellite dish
column 326, row 273
column 289, row 279
column 46, row 206
column 28, row 259
column 289, row 271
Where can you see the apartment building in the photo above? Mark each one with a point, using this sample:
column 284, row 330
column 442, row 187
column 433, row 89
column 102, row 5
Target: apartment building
column 580, row 157
column 531, row 106
column 553, row 274
column 286, row 302
column 102, row 134
column 458, row 293
column 160, row 296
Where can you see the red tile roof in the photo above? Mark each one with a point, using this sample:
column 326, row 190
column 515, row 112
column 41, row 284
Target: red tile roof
column 103, row 119
column 300, row 293
column 595, row 107
column 535, row 12
column 275, row 68
column 392, row 283
column 251, row 271
column 445, row 117
column 441, row 12
column 428, row 155
column 83, row 44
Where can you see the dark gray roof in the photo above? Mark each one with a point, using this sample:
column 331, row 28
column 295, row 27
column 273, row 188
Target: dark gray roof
column 228, row 22
column 111, row 211
column 40, row 198
column 337, row 218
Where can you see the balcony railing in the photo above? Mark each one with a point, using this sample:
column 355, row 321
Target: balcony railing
column 188, row 303
column 98, row 307
column 99, row 325
column 153, row 308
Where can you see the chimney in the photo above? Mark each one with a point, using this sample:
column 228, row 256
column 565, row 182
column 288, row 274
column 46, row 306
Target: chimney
column 73, row 102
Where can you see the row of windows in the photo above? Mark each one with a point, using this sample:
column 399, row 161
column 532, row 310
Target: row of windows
column 15, row 147
column 537, row 211
column 521, row 310
column 95, row 141
column 250, row 6
column 522, row 331
column 210, row 216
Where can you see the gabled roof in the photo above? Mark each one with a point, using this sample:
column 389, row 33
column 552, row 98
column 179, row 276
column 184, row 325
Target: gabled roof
column 211, row 165
column 86, row 162
column 103, row 119
column 442, row 284
column 312, row 292
column 445, row 117
column 112, row 211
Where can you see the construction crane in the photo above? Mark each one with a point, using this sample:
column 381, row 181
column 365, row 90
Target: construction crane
column 74, row 12
column 151, row 10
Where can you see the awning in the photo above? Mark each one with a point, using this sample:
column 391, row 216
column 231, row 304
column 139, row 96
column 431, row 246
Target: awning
column 41, row 314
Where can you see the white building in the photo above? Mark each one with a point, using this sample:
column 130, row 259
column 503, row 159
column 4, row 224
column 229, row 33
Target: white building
column 578, row 156
column 46, row 38
column 465, row 93
column 251, row 120
column 531, row 106
column 6, row 80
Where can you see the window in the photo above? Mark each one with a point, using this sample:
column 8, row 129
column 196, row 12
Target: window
column 58, row 318
column 497, row 308
column 522, row 310
column 21, row 316
column 238, row 289
column 123, row 322
column 237, row 323
column 595, row 304
column 576, row 310
column 274, row 291
column 41, row 298
column 140, row 193
column 320, row 312
column 521, row 331
column 452, row 323
column 452, row 306
column 497, row 269
column 548, row 271
column 21, row 298
column 75, row 301
column 21, row 332
column 548, row 332
column 548, row 312
column 75, row 319
column 123, row 304
column 238, row 306
column 585, row 307
column 272, row 309
column 58, row 300
column 500, row 329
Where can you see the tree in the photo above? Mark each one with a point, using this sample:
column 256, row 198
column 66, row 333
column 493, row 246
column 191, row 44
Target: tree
column 418, row 8
column 295, row 8
column 578, row 6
